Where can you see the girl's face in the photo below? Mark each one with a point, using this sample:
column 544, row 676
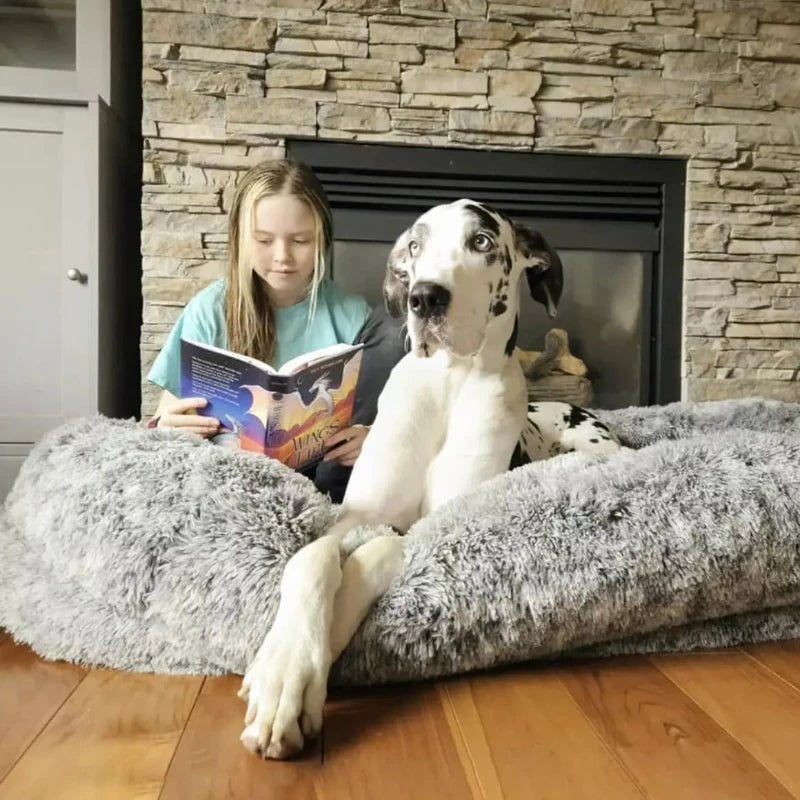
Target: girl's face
column 283, row 249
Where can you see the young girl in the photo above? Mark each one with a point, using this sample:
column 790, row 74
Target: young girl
column 275, row 303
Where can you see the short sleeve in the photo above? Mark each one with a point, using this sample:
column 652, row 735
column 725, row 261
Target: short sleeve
column 203, row 321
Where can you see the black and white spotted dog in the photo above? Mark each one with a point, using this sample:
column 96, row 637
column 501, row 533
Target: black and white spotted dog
column 453, row 413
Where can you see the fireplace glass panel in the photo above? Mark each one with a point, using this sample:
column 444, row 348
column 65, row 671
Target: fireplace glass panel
column 603, row 309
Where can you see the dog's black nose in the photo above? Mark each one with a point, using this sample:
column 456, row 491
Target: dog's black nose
column 428, row 299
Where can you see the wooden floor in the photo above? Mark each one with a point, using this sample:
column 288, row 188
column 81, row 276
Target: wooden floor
column 714, row 725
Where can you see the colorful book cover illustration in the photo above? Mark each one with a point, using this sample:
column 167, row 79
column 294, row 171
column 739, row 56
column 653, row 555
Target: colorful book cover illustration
column 286, row 414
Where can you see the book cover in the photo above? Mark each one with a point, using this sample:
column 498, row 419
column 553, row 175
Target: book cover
column 286, row 414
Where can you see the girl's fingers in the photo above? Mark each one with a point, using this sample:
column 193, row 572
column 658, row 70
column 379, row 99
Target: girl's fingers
column 187, row 404
column 189, row 421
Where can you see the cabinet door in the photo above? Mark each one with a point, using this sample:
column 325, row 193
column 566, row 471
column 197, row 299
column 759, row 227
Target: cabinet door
column 56, row 50
column 48, row 228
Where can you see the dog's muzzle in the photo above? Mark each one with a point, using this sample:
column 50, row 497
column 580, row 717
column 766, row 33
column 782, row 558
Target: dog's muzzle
column 428, row 300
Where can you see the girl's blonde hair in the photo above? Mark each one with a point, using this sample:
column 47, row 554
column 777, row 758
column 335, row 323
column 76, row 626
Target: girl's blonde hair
column 248, row 313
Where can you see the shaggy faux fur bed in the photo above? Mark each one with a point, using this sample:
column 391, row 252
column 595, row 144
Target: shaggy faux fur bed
column 148, row 550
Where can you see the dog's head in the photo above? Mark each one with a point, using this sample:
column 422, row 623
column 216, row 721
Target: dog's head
column 456, row 271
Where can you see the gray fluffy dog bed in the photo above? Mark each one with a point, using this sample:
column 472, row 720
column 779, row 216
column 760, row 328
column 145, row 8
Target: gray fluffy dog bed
column 148, row 550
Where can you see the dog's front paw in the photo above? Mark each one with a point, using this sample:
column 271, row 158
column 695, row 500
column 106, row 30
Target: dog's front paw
column 285, row 690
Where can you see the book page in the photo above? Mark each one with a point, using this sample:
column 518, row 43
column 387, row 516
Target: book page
column 299, row 362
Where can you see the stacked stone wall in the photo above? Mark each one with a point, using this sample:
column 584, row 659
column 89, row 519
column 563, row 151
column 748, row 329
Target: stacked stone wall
column 225, row 82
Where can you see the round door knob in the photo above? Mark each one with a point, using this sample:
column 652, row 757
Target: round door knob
column 76, row 275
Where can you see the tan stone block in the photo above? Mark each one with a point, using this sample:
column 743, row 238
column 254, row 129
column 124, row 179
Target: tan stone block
column 491, row 141
column 315, row 32
column 171, row 244
column 770, row 50
column 506, row 122
column 182, row 106
column 270, row 111
column 751, row 179
column 516, row 83
column 400, row 53
column 462, row 9
column 366, row 97
column 201, row 268
column 788, row 264
column 776, row 330
column 624, row 40
column 766, row 315
column 771, row 246
column 765, row 232
column 699, row 66
column 446, row 101
column 684, row 133
column 330, row 47
column 710, row 288
column 557, row 108
column 276, row 77
column 722, row 25
column 207, row 30
column 325, row 95
column 419, row 120
column 575, row 87
column 730, row 270
column 304, row 61
column 354, row 118
column 384, row 69
column 596, row 22
column 183, row 222
column 423, row 80
column 345, row 84
column 620, row 8
column 701, row 390
column 706, row 321
column 220, row 81
column 192, row 132
column 561, row 51
column 787, row 94
column 524, row 104
column 498, row 32
column 443, row 37
column 525, row 13
column 470, row 58
column 215, row 55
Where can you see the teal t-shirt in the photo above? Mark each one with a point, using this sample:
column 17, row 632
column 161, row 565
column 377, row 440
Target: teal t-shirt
column 338, row 319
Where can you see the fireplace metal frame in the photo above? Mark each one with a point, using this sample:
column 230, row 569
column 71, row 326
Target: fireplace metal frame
column 625, row 203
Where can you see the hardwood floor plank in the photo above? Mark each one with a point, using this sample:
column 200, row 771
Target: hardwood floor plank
column 783, row 658
column 530, row 740
column 668, row 743
column 211, row 763
column 392, row 743
column 470, row 739
column 759, row 709
column 113, row 738
column 31, row 691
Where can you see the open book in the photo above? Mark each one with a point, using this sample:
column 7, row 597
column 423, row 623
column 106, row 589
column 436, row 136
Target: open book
column 286, row 414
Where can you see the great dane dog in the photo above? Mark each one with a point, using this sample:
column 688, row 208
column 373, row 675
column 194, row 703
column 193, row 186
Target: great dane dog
column 453, row 413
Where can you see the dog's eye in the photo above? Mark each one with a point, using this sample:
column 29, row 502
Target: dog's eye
column 401, row 276
column 481, row 242
column 413, row 248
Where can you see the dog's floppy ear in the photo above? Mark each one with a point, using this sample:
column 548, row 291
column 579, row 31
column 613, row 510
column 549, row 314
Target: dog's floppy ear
column 396, row 278
column 542, row 267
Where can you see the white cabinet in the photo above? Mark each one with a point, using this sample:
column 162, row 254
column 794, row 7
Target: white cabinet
column 68, row 226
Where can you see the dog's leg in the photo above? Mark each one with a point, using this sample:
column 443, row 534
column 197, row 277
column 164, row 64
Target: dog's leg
column 366, row 575
column 286, row 683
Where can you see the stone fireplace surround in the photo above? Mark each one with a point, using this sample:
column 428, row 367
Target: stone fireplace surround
column 717, row 82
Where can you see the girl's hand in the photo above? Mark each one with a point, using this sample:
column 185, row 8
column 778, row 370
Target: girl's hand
column 349, row 441
column 178, row 414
